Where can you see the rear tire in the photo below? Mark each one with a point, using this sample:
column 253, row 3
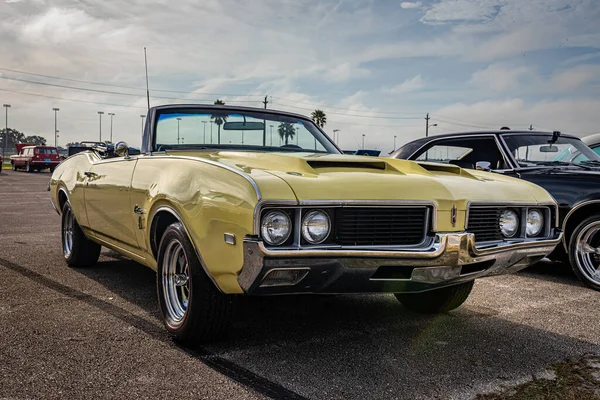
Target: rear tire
column 584, row 251
column 78, row 250
column 193, row 310
column 437, row 300
column 28, row 167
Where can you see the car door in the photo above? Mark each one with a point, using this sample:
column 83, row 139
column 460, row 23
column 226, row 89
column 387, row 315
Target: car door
column 107, row 199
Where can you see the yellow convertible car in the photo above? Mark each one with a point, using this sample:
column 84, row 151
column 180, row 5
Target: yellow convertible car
column 225, row 201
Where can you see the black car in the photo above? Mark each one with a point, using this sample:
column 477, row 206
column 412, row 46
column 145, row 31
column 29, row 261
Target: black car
column 546, row 159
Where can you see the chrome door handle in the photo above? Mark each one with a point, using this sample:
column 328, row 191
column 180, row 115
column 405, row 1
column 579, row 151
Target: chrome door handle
column 90, row 174
column 138, row 210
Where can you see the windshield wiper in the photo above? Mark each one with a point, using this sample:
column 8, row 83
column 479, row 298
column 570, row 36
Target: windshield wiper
column 593, row 163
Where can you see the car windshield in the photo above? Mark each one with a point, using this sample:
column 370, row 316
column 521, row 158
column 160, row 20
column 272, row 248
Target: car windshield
column 238, row 130
column 533, row 150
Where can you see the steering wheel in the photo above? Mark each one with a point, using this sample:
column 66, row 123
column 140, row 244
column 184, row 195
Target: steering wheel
column 291, row 146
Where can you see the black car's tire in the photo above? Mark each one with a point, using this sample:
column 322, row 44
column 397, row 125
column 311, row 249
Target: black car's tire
column 28, row 167
column 193, row 310
column 584, row 251
column 78, row 250
column 438, row 300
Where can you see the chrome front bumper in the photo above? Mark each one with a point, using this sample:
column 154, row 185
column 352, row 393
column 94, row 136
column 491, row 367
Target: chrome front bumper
column 451, row 259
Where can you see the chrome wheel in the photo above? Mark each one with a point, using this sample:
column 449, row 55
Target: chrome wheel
column 175, row 282
column 67, row 232
column 588, row 252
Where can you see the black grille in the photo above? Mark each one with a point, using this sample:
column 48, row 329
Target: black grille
column 380, row 226
column 484, row 222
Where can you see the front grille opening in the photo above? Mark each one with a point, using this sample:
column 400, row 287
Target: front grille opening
column 381, row 226
column 476, row 267
column 393, row 272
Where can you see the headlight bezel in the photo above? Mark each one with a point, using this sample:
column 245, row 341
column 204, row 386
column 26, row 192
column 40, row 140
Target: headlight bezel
column 542, row 219
column 304, row 231
column 517, row 220
column 266, row 237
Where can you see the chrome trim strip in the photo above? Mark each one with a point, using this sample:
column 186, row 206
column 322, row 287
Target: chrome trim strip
column 178, row 217
column 221, row 165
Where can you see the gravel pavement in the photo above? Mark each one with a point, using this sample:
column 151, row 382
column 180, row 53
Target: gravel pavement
column 96, row 332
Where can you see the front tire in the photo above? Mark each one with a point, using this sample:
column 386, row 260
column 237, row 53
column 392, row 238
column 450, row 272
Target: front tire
column 437, row 300
column 78, row 250
column 14, row 167
column 584, row 251
column 28, row 168
column 192, row 308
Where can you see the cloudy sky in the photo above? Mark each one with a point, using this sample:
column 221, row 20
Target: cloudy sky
column 376, row 67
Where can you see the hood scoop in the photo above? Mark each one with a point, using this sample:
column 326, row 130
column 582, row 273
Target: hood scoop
column 439, row 167
column 354, row 164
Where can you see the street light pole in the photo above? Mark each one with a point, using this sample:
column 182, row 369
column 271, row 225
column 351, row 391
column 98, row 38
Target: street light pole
column 204, row 134
column 427, row 126
column 363, row 141
column 271, row 126
column 143, row 116
column 100, row 114
column 335, row 131
column 178, row 119
column 6, row 107
column 111, row 124
column 394, row 142
column 55, row 126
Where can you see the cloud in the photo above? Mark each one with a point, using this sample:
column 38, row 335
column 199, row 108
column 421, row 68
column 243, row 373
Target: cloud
column 409, row 85
column 410, row 4
column 344, row 72
column 500, row 77
column 575, row 77
column 462, row 10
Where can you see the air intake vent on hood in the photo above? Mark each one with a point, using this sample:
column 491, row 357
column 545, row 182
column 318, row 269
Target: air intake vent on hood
column 315, row 164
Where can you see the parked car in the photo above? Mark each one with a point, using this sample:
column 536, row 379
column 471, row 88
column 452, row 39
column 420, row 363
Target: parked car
column 232, row 214
column 34, row 158
column 560, row 163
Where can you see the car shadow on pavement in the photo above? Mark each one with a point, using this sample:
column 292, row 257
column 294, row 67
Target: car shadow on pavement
column 365, row 346
column 552, row 272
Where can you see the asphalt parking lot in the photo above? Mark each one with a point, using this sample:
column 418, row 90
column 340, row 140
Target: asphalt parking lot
column 96, row 332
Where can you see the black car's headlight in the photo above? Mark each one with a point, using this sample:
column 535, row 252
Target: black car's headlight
column 316, row 226
column 275, row 227
column 535, row 222
column 509, row 223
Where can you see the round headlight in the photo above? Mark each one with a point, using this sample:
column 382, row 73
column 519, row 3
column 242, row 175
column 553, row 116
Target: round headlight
column 316, row 226
column 535, row 222
column 509, row 223
column 275, row 227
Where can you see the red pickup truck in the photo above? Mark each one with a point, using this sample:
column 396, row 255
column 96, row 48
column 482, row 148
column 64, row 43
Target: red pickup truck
column 32, row 157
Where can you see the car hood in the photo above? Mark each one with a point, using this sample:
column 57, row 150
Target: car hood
column 344, row 177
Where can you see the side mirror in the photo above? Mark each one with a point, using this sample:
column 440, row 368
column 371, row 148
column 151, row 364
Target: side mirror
column 483, row 165
column 122, row 149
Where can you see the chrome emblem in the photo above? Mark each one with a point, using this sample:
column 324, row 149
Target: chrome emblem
column 453, row 215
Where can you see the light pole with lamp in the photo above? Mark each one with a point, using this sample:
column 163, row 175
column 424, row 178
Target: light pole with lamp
column 178, row 119
column 6, row 107
column 204, row 134
column 363, row 146
column 100, row 114
column 427, row 126
column 111, row 124
column 55, row 126
column 394, row 142
column 271, row 126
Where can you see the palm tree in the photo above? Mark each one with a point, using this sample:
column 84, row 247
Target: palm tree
column 219, row 119
column 286, row 131
column 319, row 117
